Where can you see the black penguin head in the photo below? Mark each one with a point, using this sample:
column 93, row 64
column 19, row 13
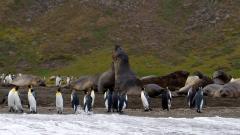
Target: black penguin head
column 16, row 87
column 59, row 89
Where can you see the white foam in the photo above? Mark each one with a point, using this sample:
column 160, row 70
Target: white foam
column 114, row 124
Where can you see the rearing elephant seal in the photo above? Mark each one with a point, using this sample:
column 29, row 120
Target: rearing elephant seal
column 126, row 81
column 106, row 80
column 173, row 80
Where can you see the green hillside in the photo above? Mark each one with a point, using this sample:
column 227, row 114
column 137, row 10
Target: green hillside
column 76, row 37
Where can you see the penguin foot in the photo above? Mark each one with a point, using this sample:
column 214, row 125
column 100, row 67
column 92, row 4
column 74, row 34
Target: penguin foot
column 121, row 112
column 146, row 110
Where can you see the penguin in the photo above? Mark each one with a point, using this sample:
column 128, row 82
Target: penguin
column 87, row 101
column 169, row 99
column 93, row 96
column 108, row 99
column 8, row 79
column 114, row 101
column 190, row 96
column 68, row 81
column 58, row 81
column 145, row 100
column 17, row 101
column 198, row 98
column 166, row 99
column 122, row 102
column 74, row 101
column 11, row 103
column 32, row 100
column 59, row 101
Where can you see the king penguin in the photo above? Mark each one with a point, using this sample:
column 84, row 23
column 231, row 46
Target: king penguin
column 87, row 101
column 108, row 100
column 59, row 101
column 122, row 103
column 93, row 96
column 32, row 100
column 114, row 101
column 198, row 98
column 166, row 99
column 74, row 100
column 190, row 96
column 145, row 100
column 17, row 101
column 11, row 104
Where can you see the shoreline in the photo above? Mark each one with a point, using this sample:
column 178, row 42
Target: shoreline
column 225, row 112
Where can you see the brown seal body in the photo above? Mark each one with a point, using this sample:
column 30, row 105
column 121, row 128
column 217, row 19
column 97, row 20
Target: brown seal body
column 231, row 89
column 106, row 80
column 212, row 90
column 25, row 80
column 173, row 80
column 126, row 81
column 220, row 77
column 85, row 83
column 153, row 90
column 191, row 80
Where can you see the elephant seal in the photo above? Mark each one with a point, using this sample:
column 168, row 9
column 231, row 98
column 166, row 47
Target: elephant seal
column 153, row 90
column 212, row 90
column 220, row 77
column 173, row 80
column 147, row 77
column 191, row 80
column 204, row 81
column 25, row 80
column 231, row 89
column 106, row 80
column 126, row 81
column 85, row 83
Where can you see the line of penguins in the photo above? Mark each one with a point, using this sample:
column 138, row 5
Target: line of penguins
column 113, row 102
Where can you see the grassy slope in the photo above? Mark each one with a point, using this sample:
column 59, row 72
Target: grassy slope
column 82, row 35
